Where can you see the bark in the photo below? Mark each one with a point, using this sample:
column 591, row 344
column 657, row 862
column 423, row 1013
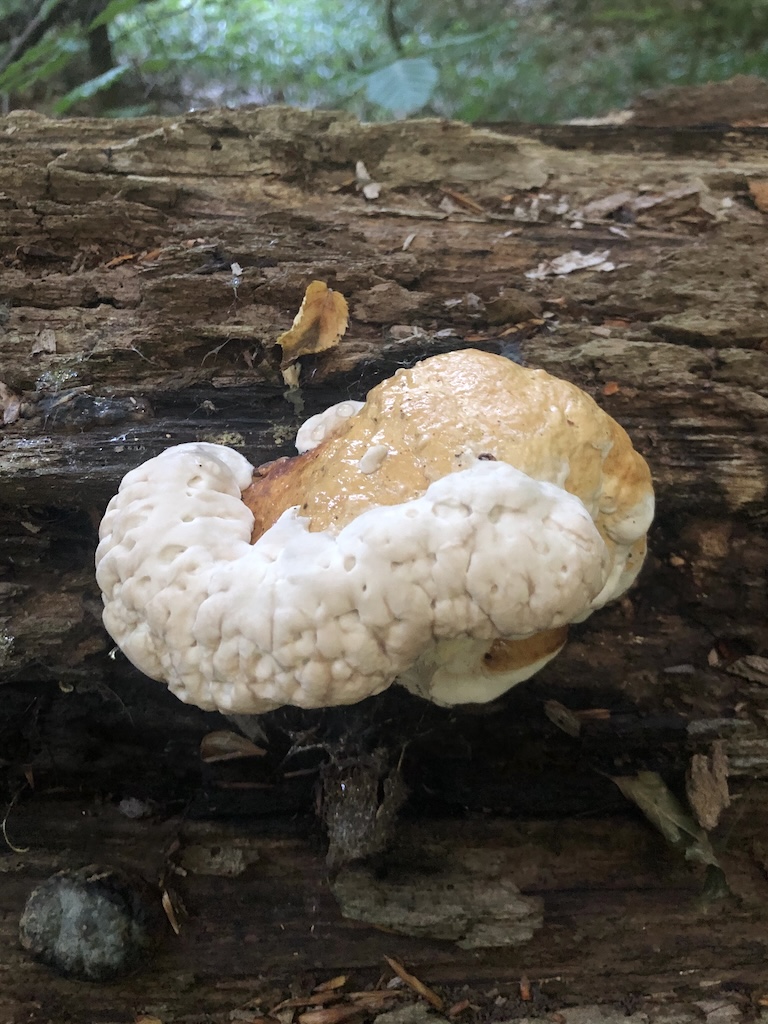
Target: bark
column 123, row 332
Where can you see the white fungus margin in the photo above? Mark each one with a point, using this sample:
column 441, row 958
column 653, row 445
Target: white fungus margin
column 321, row 618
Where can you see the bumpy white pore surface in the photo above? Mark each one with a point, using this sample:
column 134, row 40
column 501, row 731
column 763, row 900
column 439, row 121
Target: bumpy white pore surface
column 317, row 429
column 323, row 618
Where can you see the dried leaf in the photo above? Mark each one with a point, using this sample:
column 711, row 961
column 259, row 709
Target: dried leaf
column 758, row 189
column 119, row 260
column 562, row 717
column 331, row 1014
column 597, row 209
column 330, row 986
column 751, row 667
column 651, row 794
column 525, row 989
column 291, row 376
column 318, row 326
column 571, row 261
column 144, row 1019
column 224, row 745
column 706, row 785
column 413, row 983
column 611, row 388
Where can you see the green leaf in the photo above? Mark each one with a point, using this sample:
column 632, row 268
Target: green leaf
column 40, row 62
column 20, row 69
column 89, row 88
column 651, row 794
column 404, row 86
column 111, row 11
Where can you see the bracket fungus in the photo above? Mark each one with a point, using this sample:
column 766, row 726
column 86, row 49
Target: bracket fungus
column 442, row 535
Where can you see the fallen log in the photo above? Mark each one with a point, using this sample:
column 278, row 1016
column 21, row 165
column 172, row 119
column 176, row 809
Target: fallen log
column 626, row 260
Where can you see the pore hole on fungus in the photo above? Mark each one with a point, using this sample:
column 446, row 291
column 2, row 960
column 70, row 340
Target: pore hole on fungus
column 349, row 563
column 495, row 514
column 448, row 510
column 170, row 552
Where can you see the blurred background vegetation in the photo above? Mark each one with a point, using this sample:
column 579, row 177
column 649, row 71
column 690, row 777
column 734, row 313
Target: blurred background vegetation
column 478, row 60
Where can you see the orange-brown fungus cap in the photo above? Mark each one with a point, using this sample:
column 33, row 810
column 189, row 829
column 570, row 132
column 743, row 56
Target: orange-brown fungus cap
column 443, row 415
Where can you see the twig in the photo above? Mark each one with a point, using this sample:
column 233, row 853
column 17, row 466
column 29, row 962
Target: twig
column 462, row 200
column 413, row 983
column 4, row 826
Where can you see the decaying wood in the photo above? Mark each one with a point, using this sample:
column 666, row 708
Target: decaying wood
column 125, row 329
column 622, row 915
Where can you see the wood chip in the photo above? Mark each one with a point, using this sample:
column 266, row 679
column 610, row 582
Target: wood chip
column 330, row 986
column 593, row 714
column 375, row 999
column 315, row 999
column 331, row 1014
column 459, row 1008
column 611, row 388
column 413, row 983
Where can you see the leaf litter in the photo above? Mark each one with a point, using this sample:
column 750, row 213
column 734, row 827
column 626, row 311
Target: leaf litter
column 664, row 811
column 319, row 325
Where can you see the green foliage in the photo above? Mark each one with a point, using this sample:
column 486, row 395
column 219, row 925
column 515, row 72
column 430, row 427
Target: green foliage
column 499, row 60
column 404, row 86
column 88, row 89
